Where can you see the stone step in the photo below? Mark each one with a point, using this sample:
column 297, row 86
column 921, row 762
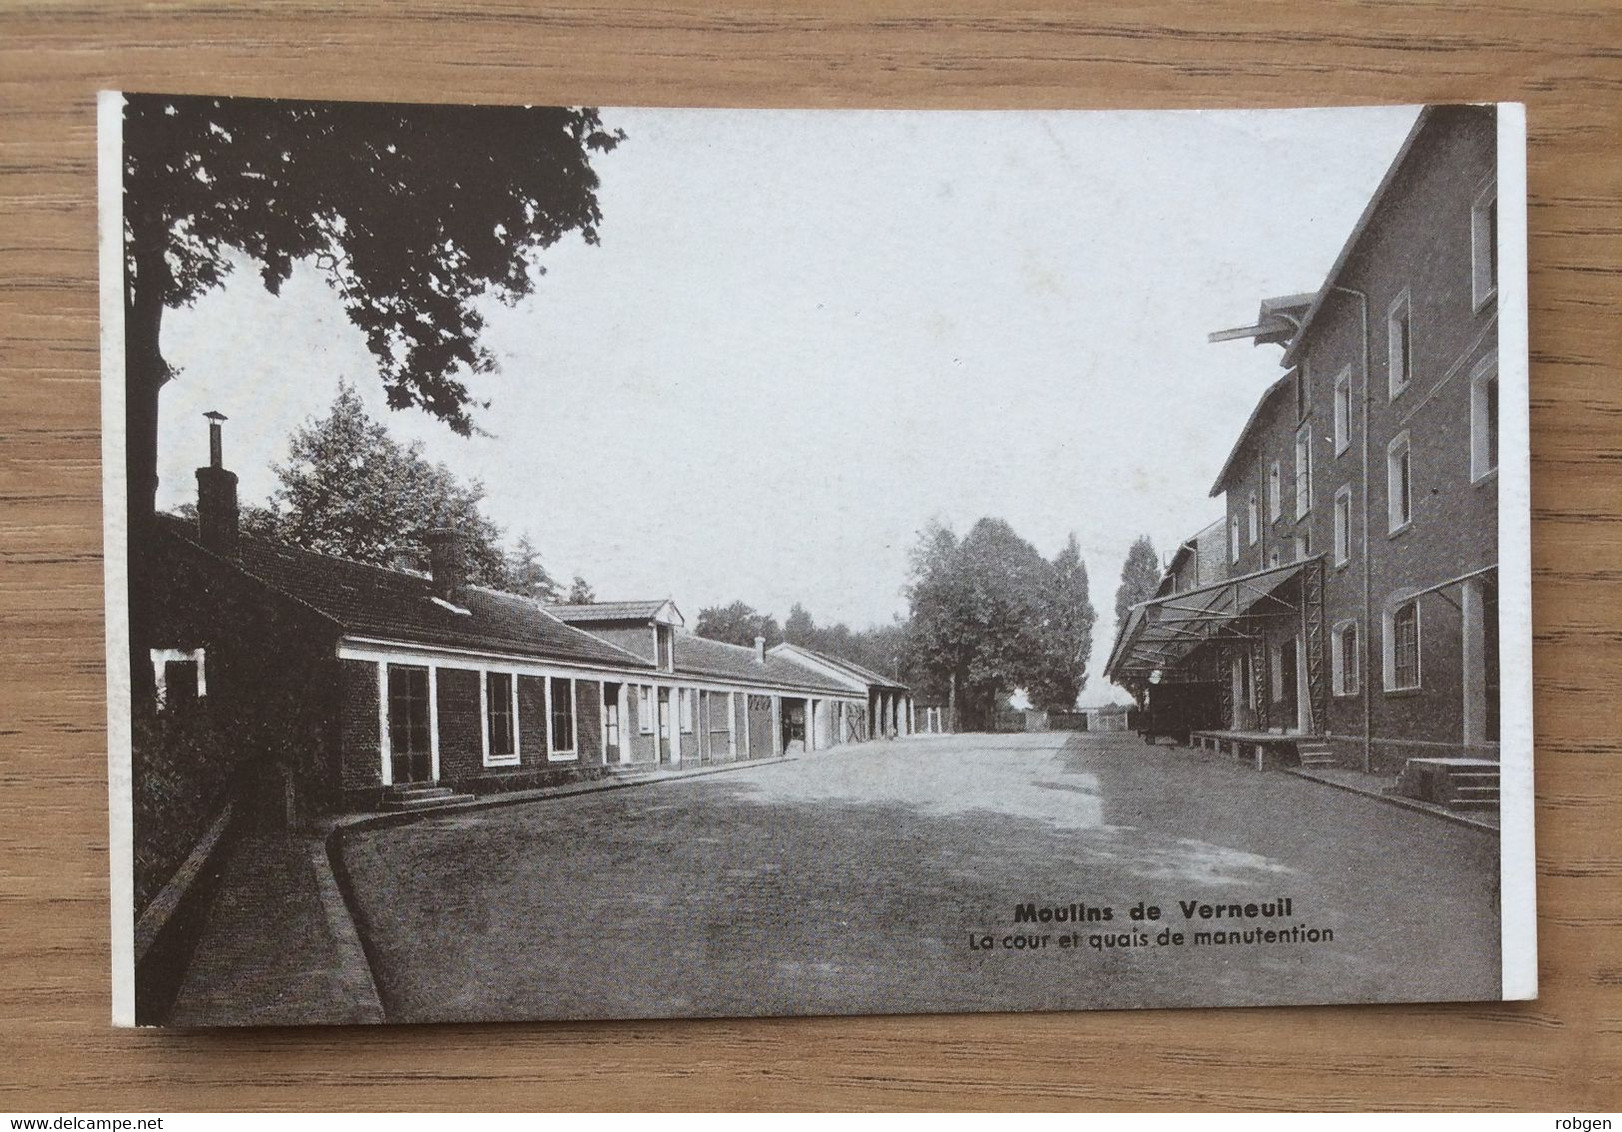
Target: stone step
column 418, row 790
column 424, row 802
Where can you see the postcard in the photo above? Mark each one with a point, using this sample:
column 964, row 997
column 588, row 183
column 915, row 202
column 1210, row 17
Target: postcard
column 594, row 563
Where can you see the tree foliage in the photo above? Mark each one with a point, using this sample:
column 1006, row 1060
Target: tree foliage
column 580, row 592
column 1067, row 634
column 526, row 575
column 990, row 615
column 350, row 489
column 415, row 213
column 737, row 624
column 1140, row 576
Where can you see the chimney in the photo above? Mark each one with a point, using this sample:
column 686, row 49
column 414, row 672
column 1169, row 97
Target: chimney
column 447, row 561
column 217, row 496
column 760, row 650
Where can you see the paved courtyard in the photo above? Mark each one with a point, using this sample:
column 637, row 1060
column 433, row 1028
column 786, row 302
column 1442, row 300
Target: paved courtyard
column 885, row 878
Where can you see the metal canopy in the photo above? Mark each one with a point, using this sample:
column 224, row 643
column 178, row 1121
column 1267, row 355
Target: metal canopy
column 1161, row 633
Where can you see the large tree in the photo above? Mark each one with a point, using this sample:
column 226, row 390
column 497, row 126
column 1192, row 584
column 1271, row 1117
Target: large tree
column 1140, row 576
column 979, row 611
column 737, row 624
column 415, row 213
column 1067, row 634
column 351, row 490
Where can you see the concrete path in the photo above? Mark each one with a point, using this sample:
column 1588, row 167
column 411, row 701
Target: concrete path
column 279, row 946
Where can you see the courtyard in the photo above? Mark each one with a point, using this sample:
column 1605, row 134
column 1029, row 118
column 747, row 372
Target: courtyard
column 889, row 877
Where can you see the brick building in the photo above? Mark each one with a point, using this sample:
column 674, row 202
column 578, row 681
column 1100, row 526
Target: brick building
column 334, row 685
column 1361, row 497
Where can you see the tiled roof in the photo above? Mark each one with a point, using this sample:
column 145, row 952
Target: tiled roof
column 857, row 670
column 700, row 656
column 608, row 611
column 395, row 605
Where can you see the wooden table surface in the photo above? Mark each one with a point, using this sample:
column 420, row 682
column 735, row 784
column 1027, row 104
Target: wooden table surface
column 57, row 1050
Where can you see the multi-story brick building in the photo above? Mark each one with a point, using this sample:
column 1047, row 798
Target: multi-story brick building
column 1361, row 497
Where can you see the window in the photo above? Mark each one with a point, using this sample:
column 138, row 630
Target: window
column 1343, row 525
column 411, row 723
column 1484, row 419
column 1343, row 411
column 560, row 717
column 1303, row 470
column 1303, row 545
column 1276, row 671
column 1343, row 658
column 1275, row 492
column 178, row 677
column 667, row 646
column 686, row 708
column 1301, row 403
column 1399, row 478
column 1272, row 557
column 1484, row 245
column 644, row 710
column 1254, row 512
column 1233, row 540
column 500, row 718
column 1402, row 647
column 1400, row 345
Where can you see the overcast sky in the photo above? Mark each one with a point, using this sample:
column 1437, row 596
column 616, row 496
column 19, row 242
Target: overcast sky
column 806, row 334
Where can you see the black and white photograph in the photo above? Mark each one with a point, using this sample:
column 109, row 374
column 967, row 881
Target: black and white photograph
column 602, row 563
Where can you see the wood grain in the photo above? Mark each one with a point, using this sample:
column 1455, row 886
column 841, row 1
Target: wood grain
column 1562, row 1052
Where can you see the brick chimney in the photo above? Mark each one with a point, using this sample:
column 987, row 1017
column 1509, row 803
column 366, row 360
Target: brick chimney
column 447, row 562
column 217, row 526
column 760, row 650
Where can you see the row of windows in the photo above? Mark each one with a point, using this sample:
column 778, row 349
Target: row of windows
column 1399, row 468
column 686, row 710
column 410, row 715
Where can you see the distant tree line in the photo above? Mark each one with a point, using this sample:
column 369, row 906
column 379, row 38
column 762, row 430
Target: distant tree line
column 987, row 616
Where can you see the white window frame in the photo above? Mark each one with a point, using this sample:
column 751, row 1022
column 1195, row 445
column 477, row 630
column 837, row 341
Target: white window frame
column 647, row 709
column 732, row 725
column 1483, row 281
column 1399, row 510
column 1342, row 682
column 554, row 753
column 1389, row 646
column 1482, row 463
column 1343, row 525
column 516, row 757
column 1399, row 368
column 1275, row 492
column 1253, row 512
column 1303, row 470
column 1233, row 539
column 618, row 725
column 1343, row 410
column 160, row 678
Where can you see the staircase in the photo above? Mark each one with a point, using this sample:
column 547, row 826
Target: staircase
column 1458, row 784
column 1314, row 753
column 420, row 796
